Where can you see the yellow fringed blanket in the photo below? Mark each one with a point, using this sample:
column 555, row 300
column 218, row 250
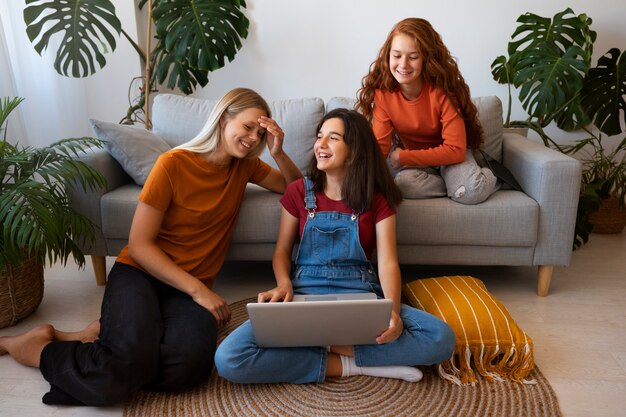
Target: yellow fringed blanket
column 488, row 340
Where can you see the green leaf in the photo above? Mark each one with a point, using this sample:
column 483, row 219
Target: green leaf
column 604, row 92
column 87, row 28
column 194, row 37
column 35, row 212
column 563, row 31
column 549, row 78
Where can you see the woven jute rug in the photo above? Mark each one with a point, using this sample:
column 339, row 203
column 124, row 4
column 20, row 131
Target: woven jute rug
column 348, row 397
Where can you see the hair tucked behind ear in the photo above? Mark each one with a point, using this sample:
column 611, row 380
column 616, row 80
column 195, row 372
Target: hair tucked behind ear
column 229, row 106
column 439, row 70
column 366, row 169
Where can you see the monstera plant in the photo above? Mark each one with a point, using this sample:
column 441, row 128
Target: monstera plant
column 548, row 59
column 550, row 62
column 193, row 38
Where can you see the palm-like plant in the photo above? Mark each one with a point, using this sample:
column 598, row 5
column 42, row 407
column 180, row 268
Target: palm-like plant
column 36, row 217
column 193, row 38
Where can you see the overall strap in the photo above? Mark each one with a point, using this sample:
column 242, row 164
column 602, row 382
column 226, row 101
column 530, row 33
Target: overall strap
column 309, row 196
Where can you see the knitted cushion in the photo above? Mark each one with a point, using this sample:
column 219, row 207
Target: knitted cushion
column 487, row 338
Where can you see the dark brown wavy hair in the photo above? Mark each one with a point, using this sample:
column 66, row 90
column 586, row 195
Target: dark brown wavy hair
column 366, row 169
column 439, row 70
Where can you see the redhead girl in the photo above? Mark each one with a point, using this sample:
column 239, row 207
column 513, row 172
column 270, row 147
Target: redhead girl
column 423, row 117
column 159, row 319
column 349, row 198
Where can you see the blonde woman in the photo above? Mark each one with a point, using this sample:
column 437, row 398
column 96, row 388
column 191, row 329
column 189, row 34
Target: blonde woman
column 159, row 319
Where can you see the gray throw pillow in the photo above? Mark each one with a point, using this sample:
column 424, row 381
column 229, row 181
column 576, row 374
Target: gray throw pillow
column 136, row 149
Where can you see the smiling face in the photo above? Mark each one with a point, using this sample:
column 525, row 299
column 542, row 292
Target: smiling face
column 331, row 151
column 242, row 132
column 405, row 63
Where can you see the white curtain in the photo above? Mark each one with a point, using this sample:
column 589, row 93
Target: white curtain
column 57, row 107
column 15, row 126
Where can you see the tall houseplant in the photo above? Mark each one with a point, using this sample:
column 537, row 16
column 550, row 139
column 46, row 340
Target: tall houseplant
column 37, row 219
column 549, row 60
column 37, row 223
column 193, row 38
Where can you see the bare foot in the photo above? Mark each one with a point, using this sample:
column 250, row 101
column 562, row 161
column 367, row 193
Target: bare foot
column 26, row 348
column 88, row 334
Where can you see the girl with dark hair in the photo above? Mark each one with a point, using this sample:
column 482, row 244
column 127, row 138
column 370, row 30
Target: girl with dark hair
column 350, row 199
column 423, row 116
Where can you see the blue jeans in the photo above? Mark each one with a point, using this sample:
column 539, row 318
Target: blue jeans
column 425, row 340
column 152, row 336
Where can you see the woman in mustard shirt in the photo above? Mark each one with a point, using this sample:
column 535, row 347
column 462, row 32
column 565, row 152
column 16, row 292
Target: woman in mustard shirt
column 159, row 317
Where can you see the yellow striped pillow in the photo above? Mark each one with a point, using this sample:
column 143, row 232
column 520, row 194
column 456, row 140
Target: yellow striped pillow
column 487, row 337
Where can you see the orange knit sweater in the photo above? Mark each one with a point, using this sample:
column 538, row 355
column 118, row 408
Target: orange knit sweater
column 430, row 128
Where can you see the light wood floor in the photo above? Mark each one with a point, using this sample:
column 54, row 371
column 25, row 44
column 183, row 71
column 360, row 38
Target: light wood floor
column 579, row 330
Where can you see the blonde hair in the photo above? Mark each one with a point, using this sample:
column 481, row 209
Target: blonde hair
column 229, row 106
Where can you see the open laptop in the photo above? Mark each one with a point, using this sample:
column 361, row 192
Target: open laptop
column 320, row 320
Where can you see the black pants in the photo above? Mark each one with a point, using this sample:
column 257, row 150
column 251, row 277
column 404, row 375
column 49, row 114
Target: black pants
column 152, row 336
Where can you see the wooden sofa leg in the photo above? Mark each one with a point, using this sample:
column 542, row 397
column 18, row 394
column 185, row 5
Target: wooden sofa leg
column 100, row 269
column 544, row 275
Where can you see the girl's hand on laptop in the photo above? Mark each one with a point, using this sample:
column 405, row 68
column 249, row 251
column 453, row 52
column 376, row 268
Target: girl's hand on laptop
column 393, row 331
column 275, row 295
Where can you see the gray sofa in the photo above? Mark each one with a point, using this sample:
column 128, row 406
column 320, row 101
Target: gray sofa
column 532, row 228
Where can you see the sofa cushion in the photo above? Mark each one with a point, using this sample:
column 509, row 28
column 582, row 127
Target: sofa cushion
column 299, row 119
column 489, row 114
column 507, row 218
column 135, row 148
column 488, row 340
column 259, row 216
column 178, row 119
column 118, row 208
column 340, row 103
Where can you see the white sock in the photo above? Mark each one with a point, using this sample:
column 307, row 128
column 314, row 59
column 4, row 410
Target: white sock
column 407, row 373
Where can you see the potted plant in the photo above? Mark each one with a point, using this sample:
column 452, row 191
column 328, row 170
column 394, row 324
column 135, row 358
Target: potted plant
column 37, row 221
column 193, row 38
column 550, row 62
column 548, row 59
column 601, row 206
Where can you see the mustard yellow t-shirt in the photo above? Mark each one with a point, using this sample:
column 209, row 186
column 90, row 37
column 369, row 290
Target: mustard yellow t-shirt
column 201, row 202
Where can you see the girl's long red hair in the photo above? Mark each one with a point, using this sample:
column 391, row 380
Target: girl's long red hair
column 439, row 70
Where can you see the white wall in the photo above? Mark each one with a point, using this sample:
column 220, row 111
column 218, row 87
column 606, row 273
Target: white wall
column 319, row 48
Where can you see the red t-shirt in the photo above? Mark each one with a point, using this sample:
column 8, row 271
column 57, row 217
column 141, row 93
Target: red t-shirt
column 293, row 202
column 201, row 203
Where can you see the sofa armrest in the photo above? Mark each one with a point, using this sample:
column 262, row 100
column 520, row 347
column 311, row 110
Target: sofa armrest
column 88, row 203
column 552, row 179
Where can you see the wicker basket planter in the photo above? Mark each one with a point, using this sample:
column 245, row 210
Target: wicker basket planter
column 610, row 218
column 21, row 291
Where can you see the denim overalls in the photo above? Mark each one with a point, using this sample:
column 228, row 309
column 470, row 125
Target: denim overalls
column 330, row 259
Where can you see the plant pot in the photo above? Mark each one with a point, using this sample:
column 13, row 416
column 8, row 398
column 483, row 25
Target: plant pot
column 519, row 130
column 610, row 217
column 21, row 291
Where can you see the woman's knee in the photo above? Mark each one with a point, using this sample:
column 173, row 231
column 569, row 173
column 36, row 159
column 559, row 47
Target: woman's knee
column 418, row 183
column 475, row 187
column 234, row 353
column 434, row 339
